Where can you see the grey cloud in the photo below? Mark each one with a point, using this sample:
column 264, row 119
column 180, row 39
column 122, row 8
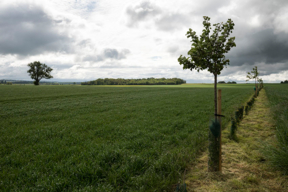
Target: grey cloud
column 112, row 54
column 267, row 69
column 173, row 50
column 260, row 44
column 141, row 12
column 28, row 30
column 171, row 22
column 61, row 66
column 118, row 65
column 84, row 42
column 264, row 46
column 208, row 7
column 263, row 69
column 257, row 43
column 9, row 71
column 164, row 21
column 94, row 58
column 158, row 40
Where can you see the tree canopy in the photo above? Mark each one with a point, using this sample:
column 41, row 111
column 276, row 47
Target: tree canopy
column 38, row 71
column 207, row 52
column 253, row 74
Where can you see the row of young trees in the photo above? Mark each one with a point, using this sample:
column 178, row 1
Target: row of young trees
column 254, row 74
column 207, row 52
column 143, row 81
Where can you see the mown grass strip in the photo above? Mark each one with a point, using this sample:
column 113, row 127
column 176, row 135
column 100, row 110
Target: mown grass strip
column 245, row 168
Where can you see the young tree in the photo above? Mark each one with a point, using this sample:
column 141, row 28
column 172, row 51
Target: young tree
column 207, row 52
column 260, row 82
column 39, row 71
column 253, row 74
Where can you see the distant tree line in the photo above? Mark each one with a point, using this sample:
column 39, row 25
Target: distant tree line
column 229, row 82
column 286, row 81
column 5, row 82
column 143, row 81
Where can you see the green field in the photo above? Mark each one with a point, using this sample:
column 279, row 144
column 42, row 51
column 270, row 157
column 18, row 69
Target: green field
column 105, row 138
column 277, row 154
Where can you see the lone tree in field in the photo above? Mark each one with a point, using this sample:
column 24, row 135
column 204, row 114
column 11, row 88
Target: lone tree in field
column 39, row 71
column 207, row 52
column 253, row 75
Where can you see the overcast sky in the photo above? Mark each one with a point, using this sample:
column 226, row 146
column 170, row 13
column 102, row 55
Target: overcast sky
column 90, row 39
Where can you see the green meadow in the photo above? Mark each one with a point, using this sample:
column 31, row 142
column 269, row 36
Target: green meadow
column 277, row 154
column 105, row 138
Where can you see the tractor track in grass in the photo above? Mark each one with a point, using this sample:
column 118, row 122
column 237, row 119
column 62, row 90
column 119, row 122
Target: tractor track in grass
column 244, row 168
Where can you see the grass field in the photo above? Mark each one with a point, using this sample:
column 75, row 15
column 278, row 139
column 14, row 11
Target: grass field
column 105, row 138
column 277, row 154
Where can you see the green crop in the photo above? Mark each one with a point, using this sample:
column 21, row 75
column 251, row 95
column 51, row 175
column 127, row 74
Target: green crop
column 277, row 154
column 117, row 138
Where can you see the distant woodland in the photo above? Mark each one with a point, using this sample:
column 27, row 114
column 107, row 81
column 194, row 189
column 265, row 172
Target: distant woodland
column 229, row 82
column 143, row 81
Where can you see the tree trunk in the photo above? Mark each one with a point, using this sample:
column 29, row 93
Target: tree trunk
column 215, row 95
column 214, row 142
column 36, row 82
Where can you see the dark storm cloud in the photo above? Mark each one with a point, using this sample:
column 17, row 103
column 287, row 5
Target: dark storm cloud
column 264, row 46
column 141, row 12
column 259, row 39
column 28, row 30
column 112, row 54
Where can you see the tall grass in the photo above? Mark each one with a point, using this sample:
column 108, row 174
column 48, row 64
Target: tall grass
column 277, row 154
column 65, row 138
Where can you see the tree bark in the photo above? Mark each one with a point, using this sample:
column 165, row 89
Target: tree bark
column 215, row 95
column 214, row 142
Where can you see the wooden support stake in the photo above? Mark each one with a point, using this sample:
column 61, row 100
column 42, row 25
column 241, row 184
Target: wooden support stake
column 219, row 120
column 214, row 147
